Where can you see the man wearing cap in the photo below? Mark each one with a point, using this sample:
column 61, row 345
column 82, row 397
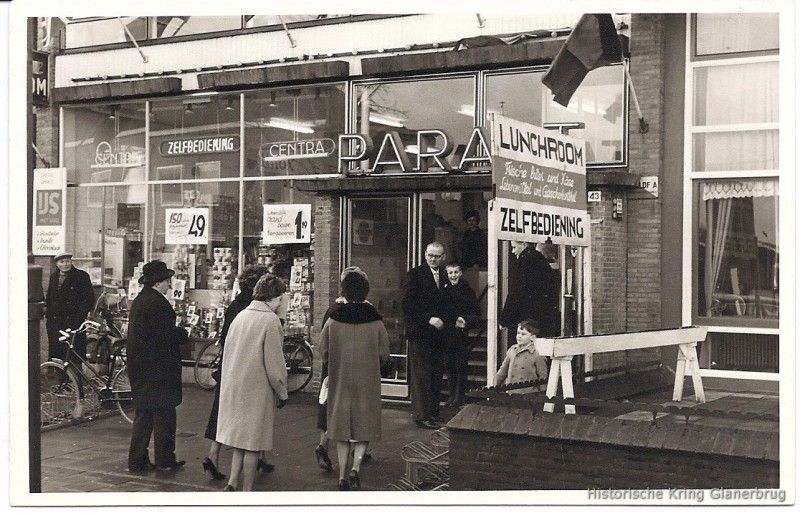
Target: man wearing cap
column 154, row 367
column 69, row 299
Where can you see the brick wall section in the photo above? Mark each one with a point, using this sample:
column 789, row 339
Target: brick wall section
column 642, row 212
column 326, row 269
column 502, row 448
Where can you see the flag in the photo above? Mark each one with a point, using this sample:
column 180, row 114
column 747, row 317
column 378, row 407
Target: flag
column 593, row 43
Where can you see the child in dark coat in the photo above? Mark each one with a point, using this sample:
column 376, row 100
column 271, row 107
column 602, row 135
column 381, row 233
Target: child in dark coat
column 463, row 315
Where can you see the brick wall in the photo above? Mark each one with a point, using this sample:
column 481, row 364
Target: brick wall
column 504, row 448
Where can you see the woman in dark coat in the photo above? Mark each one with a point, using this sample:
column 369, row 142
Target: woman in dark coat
column 154, row 367
column 354, row 344
column 247, row 280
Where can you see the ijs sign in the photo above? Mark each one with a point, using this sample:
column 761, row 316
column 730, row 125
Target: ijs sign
column 49, row 202
column 540, row 182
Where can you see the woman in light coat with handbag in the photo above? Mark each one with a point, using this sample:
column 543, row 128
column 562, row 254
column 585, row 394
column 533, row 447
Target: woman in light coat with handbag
column 354, row 344
column 255, row 381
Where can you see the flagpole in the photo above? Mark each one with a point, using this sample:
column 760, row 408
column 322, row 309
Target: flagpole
column 643, row 126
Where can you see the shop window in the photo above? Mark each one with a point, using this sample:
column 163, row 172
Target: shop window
column 725, row 33
column 599, row 103
column 195, row 138
column 265, row 21
column 293, row 132
column 445, row 104
column 737, row 250
column 101, row 31
column 104, row 143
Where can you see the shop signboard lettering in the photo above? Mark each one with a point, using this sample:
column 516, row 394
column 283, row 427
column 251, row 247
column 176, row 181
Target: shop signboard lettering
column 49, row 202
column 540, row 183
column 40, row 71
column 186, row 226
column 199, row 145
column 305, row 149
column 105, row 156
column 287, row 224
column 432, row 148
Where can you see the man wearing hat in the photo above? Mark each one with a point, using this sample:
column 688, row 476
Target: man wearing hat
column 69, row 299
column 154, row 367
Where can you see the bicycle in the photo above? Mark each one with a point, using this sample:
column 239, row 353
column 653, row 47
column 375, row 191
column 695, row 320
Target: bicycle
column 67, row 390
column 208, row 361
column 299, row 356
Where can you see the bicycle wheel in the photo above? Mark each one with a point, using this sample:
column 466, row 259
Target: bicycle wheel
column 121, row 393
column 298, row 368
column 207, row 362
column 58, row 394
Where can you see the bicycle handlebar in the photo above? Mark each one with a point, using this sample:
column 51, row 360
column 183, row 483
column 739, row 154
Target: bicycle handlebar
column 69, row 332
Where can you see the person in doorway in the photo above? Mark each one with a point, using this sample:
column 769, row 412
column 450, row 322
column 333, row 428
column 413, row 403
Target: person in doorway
column 70, row 298
column 154, row 368
column 522, row 362
column 424, row 305
column 462, row 316
column 552, row 320
column 474, row 245
column 354, row 344
column 530, row 289
column 255, row 381
column 247, row 281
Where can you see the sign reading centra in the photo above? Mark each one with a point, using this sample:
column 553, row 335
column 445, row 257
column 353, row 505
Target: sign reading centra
column 199, row 145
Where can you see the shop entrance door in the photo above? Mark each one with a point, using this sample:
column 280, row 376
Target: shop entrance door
column 378, row 235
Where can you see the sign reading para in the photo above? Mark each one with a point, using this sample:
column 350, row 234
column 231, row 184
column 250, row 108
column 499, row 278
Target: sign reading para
column 540, row 179
column 49, row 202
column 186, row 226
column 287, row 224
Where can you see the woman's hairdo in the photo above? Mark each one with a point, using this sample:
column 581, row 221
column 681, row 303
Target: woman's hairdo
column 250, row 276
column 268, row 287
column 355, row 287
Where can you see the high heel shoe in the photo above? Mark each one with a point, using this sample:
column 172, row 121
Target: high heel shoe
column 355, row 481
column 343, row 485
column 229, row 488
column 211, row 469
column 323, row 460
column 263, row 466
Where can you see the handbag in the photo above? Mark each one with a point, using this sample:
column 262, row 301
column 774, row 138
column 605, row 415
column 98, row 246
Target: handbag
column 323, row 391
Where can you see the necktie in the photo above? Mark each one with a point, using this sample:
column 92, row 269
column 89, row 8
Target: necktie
column 436, row 276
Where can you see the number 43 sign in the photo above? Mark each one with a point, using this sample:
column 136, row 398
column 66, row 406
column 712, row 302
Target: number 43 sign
column 186, row 226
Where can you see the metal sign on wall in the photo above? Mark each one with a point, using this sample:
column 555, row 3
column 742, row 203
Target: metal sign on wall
column 49, row 217
column 540, row 182
column 40, row 83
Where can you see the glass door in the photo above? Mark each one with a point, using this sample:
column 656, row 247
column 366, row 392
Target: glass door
column 379, row 235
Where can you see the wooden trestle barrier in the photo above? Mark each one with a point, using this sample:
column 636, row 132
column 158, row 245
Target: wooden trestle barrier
column 561, row 351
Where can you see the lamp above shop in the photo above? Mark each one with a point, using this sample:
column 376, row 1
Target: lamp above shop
column 113, row 113
column 272, row 102
column 188, row 109
column 229, row 106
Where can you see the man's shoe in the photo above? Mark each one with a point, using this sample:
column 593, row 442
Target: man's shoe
column 173, row 465
column 427, row 424
column 145, row 467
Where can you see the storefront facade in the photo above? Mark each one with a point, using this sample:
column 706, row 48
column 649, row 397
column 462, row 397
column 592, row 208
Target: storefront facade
column 244, row 138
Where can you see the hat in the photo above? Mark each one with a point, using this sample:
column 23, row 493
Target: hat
column 155, row 271
column 352, row 269
column 63, row 254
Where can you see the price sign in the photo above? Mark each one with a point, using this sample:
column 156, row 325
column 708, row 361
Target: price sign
column 178, row 289
column 287, row 224
column 186, row 226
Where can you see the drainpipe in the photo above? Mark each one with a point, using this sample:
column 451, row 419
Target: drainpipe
column 35, row 316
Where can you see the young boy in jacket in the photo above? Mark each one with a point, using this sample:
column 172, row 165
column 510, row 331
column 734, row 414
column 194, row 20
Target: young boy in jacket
column 463, row 315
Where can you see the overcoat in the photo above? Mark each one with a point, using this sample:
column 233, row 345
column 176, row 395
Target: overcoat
column 354, row 343
column 154, row 357
column 255, row 376
column 531, row 292
column 73, row 299
column 422, row 299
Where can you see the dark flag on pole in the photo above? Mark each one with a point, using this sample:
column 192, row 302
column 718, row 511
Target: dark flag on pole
column 593, row 43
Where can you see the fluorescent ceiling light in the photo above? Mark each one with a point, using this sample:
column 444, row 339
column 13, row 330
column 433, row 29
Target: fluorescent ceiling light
column 287, row 124
column 383, row 119
column 413, row 148
column 467, row 110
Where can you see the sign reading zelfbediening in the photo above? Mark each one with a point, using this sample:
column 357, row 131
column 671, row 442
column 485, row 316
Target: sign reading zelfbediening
column 186, row 226
column 540, row 183
column 287, row 224
column 49, row 217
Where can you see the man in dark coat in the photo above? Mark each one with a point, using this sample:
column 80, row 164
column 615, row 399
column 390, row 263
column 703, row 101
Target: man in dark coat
column 70, row 297
column 424, row 307
column 154, row 367
column 531, row 293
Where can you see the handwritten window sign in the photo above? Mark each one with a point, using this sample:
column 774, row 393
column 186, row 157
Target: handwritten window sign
column 178, row 289
column 287, row 224
column 540, row 179
column 186, row 226
column 199, row 145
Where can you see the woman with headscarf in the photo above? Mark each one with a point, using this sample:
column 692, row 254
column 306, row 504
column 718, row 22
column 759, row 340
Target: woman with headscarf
column 255, row 381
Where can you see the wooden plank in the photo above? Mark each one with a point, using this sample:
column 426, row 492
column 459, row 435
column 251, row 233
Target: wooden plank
column 588, row 344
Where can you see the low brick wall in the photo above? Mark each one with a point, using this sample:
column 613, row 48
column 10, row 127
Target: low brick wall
column 506, row 448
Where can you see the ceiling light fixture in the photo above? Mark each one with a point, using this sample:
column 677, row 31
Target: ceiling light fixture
column 272, row 99
column 467, row 110
column 188, row 109
column 287, row 124
column 230, row 104
column 382, row 119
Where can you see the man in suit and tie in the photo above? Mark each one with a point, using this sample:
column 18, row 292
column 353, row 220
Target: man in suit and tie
column 424, row 306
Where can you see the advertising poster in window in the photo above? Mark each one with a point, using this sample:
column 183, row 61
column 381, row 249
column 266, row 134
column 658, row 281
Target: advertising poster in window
column 49, row 203
column 540, row 182
column 287, row 224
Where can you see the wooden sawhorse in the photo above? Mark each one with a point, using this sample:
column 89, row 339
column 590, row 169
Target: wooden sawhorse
column 562, row 350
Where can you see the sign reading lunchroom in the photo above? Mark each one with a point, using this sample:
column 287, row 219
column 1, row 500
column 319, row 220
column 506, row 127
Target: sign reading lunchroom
column 199, row 145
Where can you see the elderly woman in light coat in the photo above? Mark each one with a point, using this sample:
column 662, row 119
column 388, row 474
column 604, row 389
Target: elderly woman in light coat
column 354, row 344
column 255, row 381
